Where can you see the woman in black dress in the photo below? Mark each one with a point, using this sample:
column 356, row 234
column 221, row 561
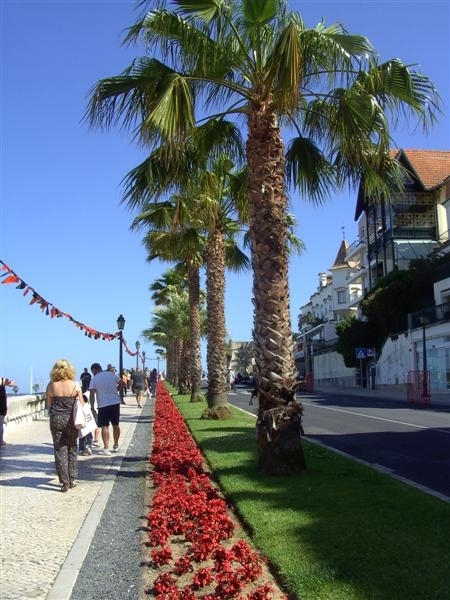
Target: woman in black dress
column 62, row 393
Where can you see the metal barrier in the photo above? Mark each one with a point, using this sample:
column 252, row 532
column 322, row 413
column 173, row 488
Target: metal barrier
column 309, row 382
column 418, row 387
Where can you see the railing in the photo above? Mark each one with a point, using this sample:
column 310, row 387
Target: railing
column 25, row 408
column 429, row 315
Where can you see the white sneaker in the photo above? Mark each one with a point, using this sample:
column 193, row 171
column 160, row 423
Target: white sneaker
column 115, row 448
column 106, row 451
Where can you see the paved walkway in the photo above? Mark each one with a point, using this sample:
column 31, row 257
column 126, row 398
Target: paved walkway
column 40, row 558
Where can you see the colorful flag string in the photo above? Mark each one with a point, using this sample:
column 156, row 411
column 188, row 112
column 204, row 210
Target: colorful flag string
column 8, row 276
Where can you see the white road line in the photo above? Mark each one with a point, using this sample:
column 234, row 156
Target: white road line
column 352, row 412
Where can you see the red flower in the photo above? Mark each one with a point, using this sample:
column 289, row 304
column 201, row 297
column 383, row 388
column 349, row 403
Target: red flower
column 162, row 557
column 202, row 577
column 164, row 584
column 187, row 508
column 182, row 565
column 262, row 593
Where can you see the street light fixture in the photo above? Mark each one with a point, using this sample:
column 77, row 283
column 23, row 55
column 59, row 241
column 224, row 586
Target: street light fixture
column 138, row 345
column 425, row 388
column 143, row 360
column 120, row 327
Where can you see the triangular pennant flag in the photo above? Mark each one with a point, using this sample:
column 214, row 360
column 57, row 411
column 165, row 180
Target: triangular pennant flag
column 11, row 279
column 43, row 303
column 35, row 298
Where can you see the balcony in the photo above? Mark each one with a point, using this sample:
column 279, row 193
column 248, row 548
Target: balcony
column 355, row 249
column 432, row 314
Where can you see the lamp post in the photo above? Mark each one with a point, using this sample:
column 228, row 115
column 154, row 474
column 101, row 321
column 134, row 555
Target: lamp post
column 138, row 345
column 120, row 327
column 143, row 360
column 425, row 390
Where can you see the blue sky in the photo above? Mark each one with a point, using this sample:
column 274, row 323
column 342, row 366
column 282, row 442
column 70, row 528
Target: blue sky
column 62, row 227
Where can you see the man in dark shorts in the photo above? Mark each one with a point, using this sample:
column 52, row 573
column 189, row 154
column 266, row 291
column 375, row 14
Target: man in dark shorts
column 104, row 386
column 139, row 385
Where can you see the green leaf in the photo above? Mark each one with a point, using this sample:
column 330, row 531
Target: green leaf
column 259, row 12
column 206, row 10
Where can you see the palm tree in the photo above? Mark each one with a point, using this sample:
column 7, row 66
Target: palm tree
column 244, row 355
column 166, row 241
column 208, row 194
column 170, row 329
column 221, row 197
column 259, row 62
column 184, row 277
column 214, row 196
column 169, row 283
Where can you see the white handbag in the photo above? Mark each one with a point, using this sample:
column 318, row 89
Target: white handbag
column 79, row 416
column 90, row 424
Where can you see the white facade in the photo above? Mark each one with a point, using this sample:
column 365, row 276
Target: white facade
column 353, row 273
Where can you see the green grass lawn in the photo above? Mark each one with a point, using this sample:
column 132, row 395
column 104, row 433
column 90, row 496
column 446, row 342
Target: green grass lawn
column 339, row 531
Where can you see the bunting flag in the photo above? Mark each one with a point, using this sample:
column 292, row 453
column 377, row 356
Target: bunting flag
column 7, row 275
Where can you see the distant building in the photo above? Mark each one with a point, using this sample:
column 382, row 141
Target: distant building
column 404, row 226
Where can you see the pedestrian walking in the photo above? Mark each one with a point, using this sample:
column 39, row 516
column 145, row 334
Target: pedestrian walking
column 4, row 381
column 85, row 379
column 139, row 385
column 104, row 388
column 62, row 393
column 153, row 379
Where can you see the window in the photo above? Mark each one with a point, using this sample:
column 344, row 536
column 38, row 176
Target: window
column 341, row 296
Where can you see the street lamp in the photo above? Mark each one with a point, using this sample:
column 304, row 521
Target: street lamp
column 120, row 327
column 425, row 389
column 143, row 360
column 138, row 345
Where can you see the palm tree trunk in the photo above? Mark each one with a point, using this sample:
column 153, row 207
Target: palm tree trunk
column 194, row 330
column 280, row 449
column 217, row 396
column 184, row 384
column 177, row 348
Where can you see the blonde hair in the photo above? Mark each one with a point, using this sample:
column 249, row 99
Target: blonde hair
column 62, row 370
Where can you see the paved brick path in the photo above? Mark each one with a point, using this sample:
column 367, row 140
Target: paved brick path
column 45, row 534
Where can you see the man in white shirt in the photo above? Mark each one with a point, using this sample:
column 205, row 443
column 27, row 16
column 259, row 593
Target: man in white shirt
column 104, row 386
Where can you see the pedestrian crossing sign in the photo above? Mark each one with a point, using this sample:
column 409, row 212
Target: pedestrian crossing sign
column 361, row 353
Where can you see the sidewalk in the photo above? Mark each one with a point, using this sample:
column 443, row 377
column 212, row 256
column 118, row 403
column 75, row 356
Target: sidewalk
column 46, row 534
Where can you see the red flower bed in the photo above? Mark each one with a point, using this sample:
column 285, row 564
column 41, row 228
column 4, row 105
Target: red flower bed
column 195, row 550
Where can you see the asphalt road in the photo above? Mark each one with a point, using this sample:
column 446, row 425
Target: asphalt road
column 407, row 442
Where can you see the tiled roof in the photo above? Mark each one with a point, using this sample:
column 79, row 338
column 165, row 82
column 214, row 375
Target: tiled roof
column 432, row 167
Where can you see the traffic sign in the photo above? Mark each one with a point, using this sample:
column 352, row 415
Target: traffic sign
column 361, row 353
column 370, row 352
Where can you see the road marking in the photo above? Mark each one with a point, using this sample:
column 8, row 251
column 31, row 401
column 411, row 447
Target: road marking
column 352, row 412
